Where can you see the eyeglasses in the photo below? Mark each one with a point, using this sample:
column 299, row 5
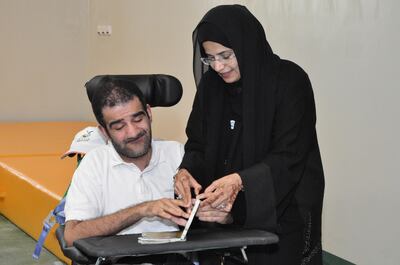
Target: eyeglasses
column 222, row 57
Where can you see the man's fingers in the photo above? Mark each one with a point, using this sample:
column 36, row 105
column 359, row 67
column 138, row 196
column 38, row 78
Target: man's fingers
column 178, row 221
column 172, row 207
column 179, row 203
column 177, row 211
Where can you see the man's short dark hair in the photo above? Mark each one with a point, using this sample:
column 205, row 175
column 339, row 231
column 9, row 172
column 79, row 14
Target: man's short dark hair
column 112, row 92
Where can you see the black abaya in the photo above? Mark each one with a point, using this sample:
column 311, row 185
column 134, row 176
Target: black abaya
column 279, row 159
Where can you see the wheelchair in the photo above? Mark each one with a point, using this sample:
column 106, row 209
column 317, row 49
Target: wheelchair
column 159, row 91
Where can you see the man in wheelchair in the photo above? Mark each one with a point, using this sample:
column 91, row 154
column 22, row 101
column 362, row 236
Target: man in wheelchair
column 126, row 186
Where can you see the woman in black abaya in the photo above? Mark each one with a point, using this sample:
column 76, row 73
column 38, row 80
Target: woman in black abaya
column 252, row 142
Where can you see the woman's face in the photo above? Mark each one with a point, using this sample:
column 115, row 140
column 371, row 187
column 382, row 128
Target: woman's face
column 223, row 61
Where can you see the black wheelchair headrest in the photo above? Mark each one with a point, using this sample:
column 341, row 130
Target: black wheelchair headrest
column 159, row 90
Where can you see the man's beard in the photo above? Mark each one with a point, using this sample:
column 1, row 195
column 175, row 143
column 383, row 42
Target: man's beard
column 123, row 150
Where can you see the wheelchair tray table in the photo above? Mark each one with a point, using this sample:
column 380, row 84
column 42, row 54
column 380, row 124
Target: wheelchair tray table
column 197, row 240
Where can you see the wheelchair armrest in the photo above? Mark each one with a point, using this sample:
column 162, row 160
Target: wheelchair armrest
column 71, row 252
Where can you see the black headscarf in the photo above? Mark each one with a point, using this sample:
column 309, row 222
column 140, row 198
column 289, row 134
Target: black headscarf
column 208, row 32
column 242, row 32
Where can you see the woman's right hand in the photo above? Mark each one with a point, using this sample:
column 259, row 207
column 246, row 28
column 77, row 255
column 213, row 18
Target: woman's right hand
column 183, row 182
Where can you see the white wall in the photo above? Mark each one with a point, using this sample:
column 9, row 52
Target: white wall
column 351, row 51
column 43, row 60
column 148, row 37
column 349, row 48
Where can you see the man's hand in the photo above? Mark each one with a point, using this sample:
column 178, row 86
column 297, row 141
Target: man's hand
column 113, row 223
column 221, row 194
column 183, row 182
column 206, row 213
column 167, row 209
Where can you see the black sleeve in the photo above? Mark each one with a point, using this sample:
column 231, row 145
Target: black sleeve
column 193, row 159
column 269, row 185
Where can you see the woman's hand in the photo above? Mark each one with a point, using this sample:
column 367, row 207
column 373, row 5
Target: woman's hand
column 183, row 182
column 221, row 194
column 208, row 214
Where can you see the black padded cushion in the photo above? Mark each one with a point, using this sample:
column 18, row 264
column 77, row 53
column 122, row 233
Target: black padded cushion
column 159, row 90
column 197, row 240
column 71, row 252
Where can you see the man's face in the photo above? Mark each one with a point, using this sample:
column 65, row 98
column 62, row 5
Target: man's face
column 129, row 129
